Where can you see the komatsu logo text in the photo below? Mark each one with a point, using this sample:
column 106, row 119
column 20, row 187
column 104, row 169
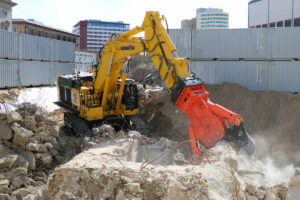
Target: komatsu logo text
column 127, row 47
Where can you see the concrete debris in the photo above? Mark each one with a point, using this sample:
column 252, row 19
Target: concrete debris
column 30, row 123
column 8, row 95
column 30, row 143
column 21, row 135
column 98, row 173
column 8, row 161
column 13, row 117
column 5, row 131
column 39, row 159
column 21, row 193
column 4, row 186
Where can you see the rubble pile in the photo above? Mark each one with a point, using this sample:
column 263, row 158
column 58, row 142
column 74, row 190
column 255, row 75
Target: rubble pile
column 31, row 145
column 101, row 173
column 37, row 153
column 101, row 133
column 8, row 95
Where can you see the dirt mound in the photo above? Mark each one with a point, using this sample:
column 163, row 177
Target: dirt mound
column 271, row 118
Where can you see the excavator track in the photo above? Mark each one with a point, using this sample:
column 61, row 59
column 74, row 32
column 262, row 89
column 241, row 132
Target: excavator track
column 77, row 126
column 139, row 125
column 80, row 129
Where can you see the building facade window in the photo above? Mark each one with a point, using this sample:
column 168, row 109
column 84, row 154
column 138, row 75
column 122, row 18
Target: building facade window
column 287, row 23
column 264, row 11
column 95, row 32
column 211, row 18
column 297, row 22
column 280, row 24
column 211, row 26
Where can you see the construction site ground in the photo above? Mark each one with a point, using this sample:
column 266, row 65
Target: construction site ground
column 40, row 159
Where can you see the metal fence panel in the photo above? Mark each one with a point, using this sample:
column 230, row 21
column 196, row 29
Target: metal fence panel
column 27, row 47
column 182, row 39
column 284, row 76
column 61, row 68
column 284, row 43
column 9, row 45
column 251, row 74
column 8, row 73
column 35, row 48
column 35, row 73
column 63, row 51
column 230, row 44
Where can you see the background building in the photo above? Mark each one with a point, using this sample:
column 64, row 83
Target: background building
column 211, row 18
column 207, row 18
column 34, row 27
column 6, row 14
column 189, row 24
column 94, row 33
column 274, row 13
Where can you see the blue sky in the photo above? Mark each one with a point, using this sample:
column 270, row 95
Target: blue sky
column 65, row 13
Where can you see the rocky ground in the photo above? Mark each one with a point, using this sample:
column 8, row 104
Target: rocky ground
column 31, row 144
column 103, row 173
column 39, row 159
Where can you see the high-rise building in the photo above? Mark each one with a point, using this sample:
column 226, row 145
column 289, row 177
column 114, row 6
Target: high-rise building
column 273, row 13
column 6, row 14
column 94, row 33
column 188, row 24
column 211, row 18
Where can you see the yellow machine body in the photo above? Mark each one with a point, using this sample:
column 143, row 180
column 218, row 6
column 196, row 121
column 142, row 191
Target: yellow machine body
column 101, row 96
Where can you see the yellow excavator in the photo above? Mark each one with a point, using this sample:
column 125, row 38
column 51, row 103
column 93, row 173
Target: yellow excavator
column 108, row 96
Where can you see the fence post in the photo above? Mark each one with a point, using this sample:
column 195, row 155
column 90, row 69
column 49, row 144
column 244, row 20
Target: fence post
column 19, row 60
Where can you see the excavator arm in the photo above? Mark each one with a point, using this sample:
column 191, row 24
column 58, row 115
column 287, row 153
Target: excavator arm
column 209, row 122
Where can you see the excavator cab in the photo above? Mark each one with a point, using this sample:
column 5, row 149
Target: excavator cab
column 130, row 95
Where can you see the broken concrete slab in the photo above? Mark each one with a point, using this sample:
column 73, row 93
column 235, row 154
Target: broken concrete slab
column 21, row 135
column 8, row 161
column 35, row 147
column 13, row 117
column 5, row 131
column 4, row 186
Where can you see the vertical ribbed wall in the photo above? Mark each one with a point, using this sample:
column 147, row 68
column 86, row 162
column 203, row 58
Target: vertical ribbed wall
column 27, row 60
column 259, row 59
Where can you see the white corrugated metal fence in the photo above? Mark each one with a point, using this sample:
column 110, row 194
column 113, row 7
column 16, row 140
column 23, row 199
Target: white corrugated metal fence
column 27, row 60
column 259, row 59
